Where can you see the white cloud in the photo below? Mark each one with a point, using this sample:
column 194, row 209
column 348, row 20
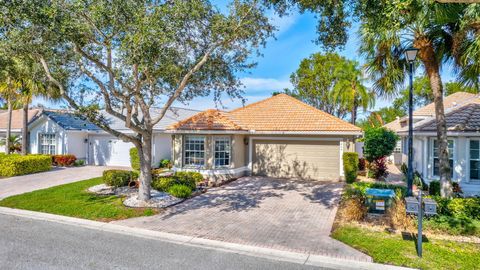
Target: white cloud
column 264, row 84
column 283, row 23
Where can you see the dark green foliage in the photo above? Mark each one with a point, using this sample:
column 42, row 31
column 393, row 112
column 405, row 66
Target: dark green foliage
column 180, row 191
column 134, row 159
column 350, row 166
column 453, row 225
column 117, row 178
column 189, row 179
column 13, row 164
column 378, row 143
column 434, row 188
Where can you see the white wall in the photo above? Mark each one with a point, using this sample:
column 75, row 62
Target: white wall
column 75, row 144
column 162, row 147
column 45, row 125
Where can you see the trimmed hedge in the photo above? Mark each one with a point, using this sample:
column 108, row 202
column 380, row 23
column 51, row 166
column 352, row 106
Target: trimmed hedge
column 163, row 183
column 134, row 159
column 63, row 160
column 180, row 191
column 189, row 179
column 13, row 165
column 350, row 166
column 117, row 178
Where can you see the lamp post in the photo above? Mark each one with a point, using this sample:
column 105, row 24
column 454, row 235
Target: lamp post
column 410, row 56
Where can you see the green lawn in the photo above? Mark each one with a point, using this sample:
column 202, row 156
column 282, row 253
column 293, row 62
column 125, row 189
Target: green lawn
column 392, row 249
column 73, row 200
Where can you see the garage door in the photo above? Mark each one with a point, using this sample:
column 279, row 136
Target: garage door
column 311, row 160
column 109, row 151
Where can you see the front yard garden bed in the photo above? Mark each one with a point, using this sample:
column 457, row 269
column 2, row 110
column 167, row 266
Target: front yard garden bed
column 73, row 200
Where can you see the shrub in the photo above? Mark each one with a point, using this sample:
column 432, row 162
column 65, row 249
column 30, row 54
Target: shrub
column 352, row 209
column 434, row 188
column 79, row 162
column 117, row 178
column 163, row 183
column 378, row 143
column 453, row 225
column 350, row 166
column 165, row 163
column 180, row 191
column 63, row 160
column 134, row 159
column 12, row 165
column 189, row 178
column 378, row 168
column 362, row 164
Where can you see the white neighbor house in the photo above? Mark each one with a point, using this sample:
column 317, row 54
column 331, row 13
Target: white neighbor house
column 57, row 132
column 462, row 111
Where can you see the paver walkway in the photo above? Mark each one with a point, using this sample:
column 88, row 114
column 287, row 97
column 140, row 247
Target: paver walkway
column 274, row 213
column 57, row 176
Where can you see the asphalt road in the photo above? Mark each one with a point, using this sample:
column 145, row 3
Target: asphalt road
column 33, row 244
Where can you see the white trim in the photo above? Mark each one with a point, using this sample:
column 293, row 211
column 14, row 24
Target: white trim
column 430, row 158
column 214, row 172
column 230, row 154
column 449, row 133
column 341, row 158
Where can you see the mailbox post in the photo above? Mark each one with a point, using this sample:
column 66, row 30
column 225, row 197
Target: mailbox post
column 420, row 207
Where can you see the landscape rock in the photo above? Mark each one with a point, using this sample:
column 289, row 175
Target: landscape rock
column 158, row 200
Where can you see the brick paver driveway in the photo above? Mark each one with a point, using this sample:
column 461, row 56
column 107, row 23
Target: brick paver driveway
column 273, row 213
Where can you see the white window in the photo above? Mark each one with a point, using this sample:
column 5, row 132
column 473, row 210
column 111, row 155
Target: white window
column 47, row 144
column 194, row 151
column 222, row 148
column 436, row 160
column 475, row 159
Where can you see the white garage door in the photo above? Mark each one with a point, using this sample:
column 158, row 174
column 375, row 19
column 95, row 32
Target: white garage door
column 310, row 160
column 109, row 151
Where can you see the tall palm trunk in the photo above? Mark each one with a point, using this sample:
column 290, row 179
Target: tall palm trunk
column 354, row 111
column 25, row 128
column 9, row 126
column 427, row 55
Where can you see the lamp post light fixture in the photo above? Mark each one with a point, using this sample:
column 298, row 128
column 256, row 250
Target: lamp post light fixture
column 410, row 56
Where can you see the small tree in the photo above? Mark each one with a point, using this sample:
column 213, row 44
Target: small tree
column 379, row 143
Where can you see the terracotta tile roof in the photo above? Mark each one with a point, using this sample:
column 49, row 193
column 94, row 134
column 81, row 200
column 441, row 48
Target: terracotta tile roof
column 277, row 113
column 17, row 118
column 463, row 118
column 207, row 120
column 449, row 102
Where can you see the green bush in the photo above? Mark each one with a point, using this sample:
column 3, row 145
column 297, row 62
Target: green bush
column 434, row 188
column 12, row 165
column 350, row 166
column 378, row 143
column 163, row 183
column 180, row 191
column 189, row 178
column 79, row 162
column 165, row 163
column 134, row 159
column 453, row 225
column 117, row 178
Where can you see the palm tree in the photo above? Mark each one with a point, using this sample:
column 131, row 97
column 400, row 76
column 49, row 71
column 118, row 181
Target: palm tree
column 8, row 91
column 14, row 143
column 349, row 91
column 443, row 33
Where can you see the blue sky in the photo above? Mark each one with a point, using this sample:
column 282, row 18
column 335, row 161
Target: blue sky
column 281, row 57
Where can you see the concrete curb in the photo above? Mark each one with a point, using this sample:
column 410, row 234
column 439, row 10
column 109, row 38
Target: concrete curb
column 294, row 257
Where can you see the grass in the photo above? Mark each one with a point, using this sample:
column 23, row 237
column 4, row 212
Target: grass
column 393, row 249
column 74, row 201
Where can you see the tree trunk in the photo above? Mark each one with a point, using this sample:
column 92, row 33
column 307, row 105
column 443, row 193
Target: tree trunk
column 427, row 55
column 9, row 126
column 145, row 153
column 25, row 129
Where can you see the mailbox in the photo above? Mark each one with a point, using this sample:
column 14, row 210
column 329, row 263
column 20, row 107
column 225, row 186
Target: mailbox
column 430, row 206
column 412, row 205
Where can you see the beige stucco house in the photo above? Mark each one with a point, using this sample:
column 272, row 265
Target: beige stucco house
column 277, row 137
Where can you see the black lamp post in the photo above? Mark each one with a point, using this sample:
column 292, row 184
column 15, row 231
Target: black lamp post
column 410, row 55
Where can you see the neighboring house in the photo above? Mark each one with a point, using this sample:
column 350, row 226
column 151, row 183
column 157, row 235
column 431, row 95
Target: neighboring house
column 62, row 132
column 278, row 137
column 17, row 120
column 462, row 112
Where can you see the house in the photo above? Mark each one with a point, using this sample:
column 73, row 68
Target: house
column 277, row 137
column 62, row 132
column 462, row 112
column 17, row 122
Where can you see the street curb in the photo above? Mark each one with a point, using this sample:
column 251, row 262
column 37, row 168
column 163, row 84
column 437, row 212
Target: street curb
column 287, row 256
